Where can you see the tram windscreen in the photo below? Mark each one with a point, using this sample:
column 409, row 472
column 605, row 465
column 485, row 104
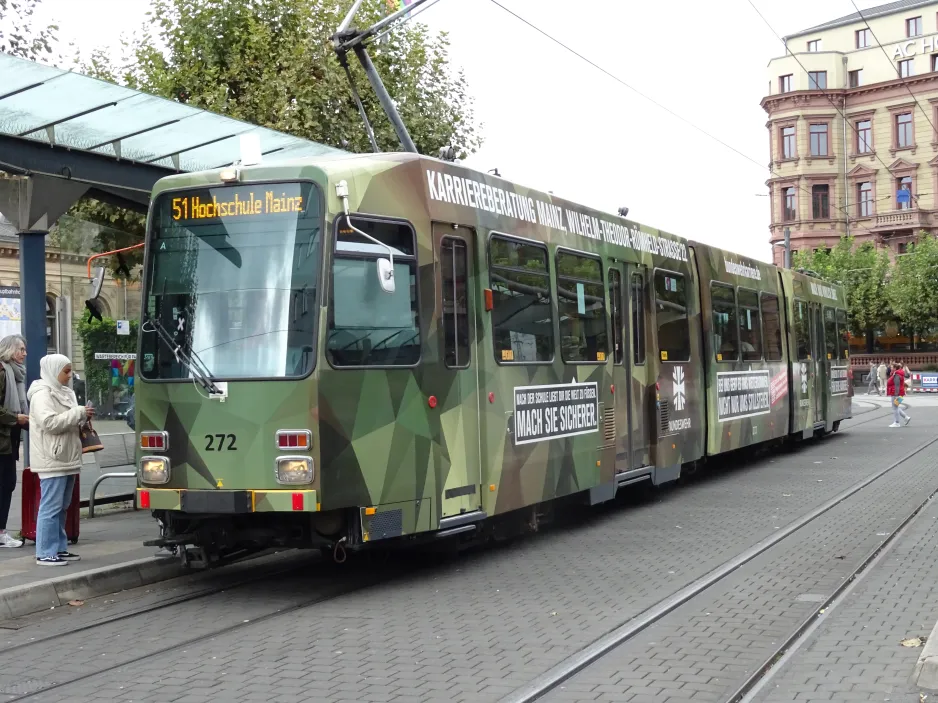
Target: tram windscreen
column 233, row 277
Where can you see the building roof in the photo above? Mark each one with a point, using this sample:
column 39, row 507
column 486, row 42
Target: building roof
column 878, row 11
column 62, row 108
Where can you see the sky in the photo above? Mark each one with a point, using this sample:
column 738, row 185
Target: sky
column 552, row 121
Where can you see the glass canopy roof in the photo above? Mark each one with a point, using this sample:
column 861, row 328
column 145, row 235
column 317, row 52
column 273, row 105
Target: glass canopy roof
column 62, row 108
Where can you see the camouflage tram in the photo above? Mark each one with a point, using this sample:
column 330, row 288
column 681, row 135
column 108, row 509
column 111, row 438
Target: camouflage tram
column 374, row 349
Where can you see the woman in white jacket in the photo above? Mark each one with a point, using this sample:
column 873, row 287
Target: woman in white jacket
column 55, row 454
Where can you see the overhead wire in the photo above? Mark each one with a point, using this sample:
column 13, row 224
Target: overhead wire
column 665, row 108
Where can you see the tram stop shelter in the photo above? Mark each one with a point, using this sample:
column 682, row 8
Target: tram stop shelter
column 64, row 136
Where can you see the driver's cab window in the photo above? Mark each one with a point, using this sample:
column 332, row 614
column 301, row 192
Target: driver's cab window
column 368, row 326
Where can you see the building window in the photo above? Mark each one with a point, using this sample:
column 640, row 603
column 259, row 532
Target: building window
column 818, row 140
column 906, row 68
column 902, row 247
column 581, row 303
column 864, row 38
column 904, row 130
column 820, row 202
column 788, row 213
column 784, row 84
column 856, row 78
column 865, row 199
column 51, row 336
column 904, row 183
column 817, row 80
column 814, row 45
column 788, row 142
column 864, row 136
column 934, row 62
column 913, row 27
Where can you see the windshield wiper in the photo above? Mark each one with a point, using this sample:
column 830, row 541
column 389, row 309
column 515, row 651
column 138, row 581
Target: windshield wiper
column 193, row 364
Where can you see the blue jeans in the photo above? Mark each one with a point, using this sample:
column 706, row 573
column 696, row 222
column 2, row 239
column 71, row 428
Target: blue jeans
column 53, row 508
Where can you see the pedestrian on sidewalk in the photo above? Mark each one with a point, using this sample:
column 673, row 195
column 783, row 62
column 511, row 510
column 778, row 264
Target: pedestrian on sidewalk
column 895, row 388
column 883, row 374
column 14, row 416
column 872, row 380
column 55, row 418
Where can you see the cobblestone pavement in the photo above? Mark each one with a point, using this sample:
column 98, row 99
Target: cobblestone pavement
column 477, row 627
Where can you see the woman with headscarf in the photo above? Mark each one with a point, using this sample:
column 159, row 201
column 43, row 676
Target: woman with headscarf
column 55, row 418
column 13, row 417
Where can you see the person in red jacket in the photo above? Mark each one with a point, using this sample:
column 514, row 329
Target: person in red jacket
column 895, row 388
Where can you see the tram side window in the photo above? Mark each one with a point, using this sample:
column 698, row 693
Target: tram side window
column 772, row 326
column 615, row 303
column 671, row 316
column 750, row 325
column 830, row 333
column 453, row 278
column 638, row 319
column 522, row 314
column 368, row 327
column 843, row 335
column 581, row 303
column 802, row 337
column 725, row 327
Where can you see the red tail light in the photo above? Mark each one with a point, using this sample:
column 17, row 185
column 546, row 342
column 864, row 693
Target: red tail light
column 144, row 499
column 154, row 441
column 294, row 439
column 297, row 501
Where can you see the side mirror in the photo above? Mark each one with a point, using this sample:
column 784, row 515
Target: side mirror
column 386, row 275
column 97, row 282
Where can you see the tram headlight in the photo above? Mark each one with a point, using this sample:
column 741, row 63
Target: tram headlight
column 154, row 469
column 294, row 470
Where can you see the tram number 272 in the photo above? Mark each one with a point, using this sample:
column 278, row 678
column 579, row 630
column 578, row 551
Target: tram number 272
column 211, row 446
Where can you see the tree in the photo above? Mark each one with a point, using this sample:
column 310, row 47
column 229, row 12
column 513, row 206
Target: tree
column 913, row 286
column 270, row 62
column 17, row 35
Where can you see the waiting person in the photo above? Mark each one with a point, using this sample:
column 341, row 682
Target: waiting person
column 55, row 418
column 13, row 418
column 895, row 388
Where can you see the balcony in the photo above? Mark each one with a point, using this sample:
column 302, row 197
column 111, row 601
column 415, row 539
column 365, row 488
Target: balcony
column 903, row 219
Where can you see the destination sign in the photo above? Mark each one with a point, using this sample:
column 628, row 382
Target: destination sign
column 240, row 202
column 552, row 412
column 742, row 394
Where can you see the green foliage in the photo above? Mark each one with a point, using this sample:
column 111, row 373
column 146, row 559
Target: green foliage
column 270, row 62
column 101, row 336
column 17, row 35
column 913, row 286
column 863, row 271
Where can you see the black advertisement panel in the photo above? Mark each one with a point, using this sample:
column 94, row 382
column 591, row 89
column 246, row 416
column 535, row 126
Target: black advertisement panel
column 742, row 394
column 839, row 382
column 551, row 412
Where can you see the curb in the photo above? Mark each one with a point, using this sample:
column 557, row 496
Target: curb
column 925, row 674
column 51, row 593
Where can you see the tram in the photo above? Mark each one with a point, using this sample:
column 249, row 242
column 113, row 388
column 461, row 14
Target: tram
column 375, row 349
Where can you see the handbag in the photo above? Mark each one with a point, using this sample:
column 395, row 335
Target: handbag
column 90, row 441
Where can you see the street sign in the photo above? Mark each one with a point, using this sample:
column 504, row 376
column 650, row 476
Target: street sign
column 123, row 328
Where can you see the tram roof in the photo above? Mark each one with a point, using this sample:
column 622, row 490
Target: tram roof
column 119, row 139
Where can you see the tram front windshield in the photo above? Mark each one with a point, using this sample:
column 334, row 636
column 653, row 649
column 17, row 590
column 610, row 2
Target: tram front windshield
column 232, row 278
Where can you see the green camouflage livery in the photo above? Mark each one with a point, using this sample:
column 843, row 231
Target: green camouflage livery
column 436, row 445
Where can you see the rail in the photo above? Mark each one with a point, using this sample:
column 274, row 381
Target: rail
column 99, row 479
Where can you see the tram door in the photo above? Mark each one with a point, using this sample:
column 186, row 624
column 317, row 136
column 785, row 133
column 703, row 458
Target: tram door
column 818, row 349
column 454, row 378
column 622, row 367
column 636, row 388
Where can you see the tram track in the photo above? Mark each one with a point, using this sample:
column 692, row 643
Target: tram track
column 629, row 630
